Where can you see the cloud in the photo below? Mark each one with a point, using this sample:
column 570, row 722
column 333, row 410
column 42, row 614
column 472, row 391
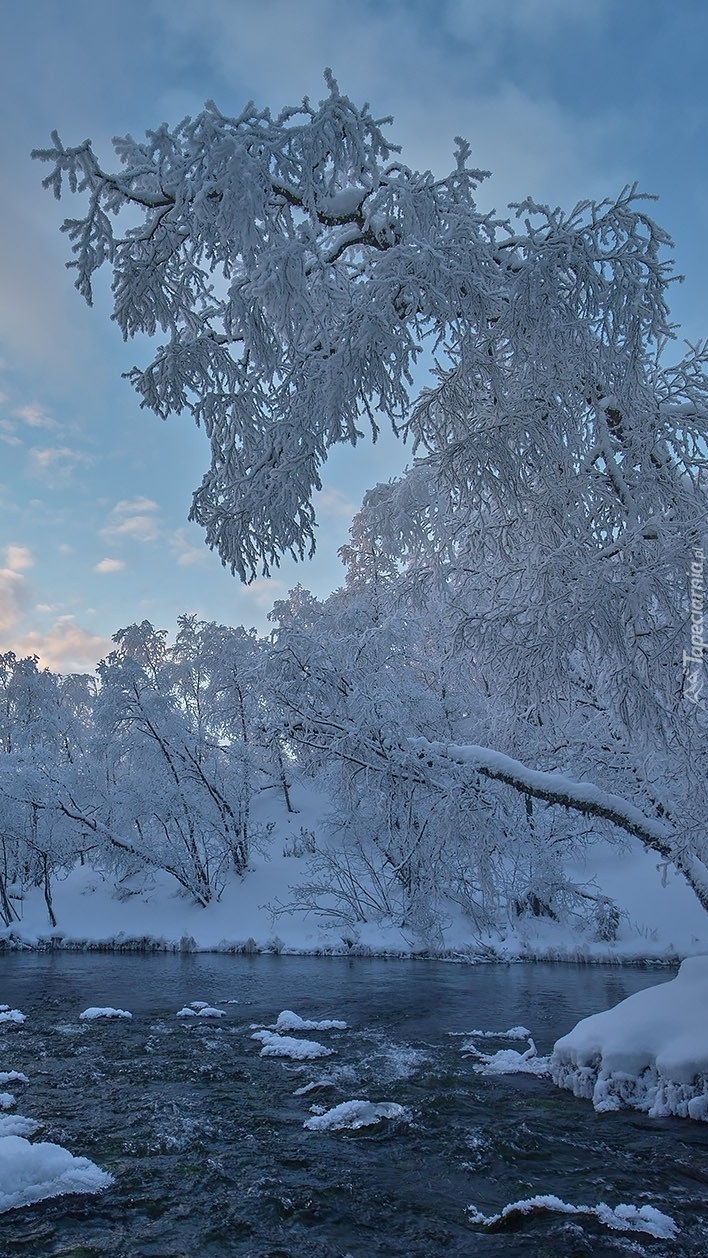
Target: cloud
column 35, row 416
column 66, row 647
column 264, row 591
column 8, row 433
column 109, row 565
column 466, row 84
column 333, row 504
column 127, row 506
column 533, row 19
column 57, row 463
column 187, row 555
column 15, row 597
column 135, row 519
column 17, row 558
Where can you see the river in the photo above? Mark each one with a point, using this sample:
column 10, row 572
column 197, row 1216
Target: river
column 206, row 1142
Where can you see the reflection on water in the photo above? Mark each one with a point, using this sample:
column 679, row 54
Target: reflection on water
column 206, row 1139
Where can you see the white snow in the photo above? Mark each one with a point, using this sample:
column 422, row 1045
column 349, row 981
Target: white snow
column 335, row 1077
column 356, row 1114
column 286, row 1046
column 585, row 796
column 649, row 1052
column 514, row 1033
column 200, row 1009
column 103, row 1011
column 660, row 916
column 289, row 1021
column 621, row 1218
column 7, row 1100
column 17, row 1125
column 508, row 1062
column 12, row 1015
column 318, row 1085
column 13, row 1076
column 33, row 1172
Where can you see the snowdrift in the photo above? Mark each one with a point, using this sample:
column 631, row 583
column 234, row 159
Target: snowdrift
column 650, row 1052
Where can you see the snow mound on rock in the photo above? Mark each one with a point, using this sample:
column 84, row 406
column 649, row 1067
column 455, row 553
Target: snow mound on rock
column 286, row 1046
column 514, row 1033
column 650, row 1052
column 289, row 1021
column 200, row 1009
column 12, row 1015
column 508, row 1062
column 355, row 1114
column 17, row 1125
column 103, row 1011
column 621, row 1218
column 33, row 1172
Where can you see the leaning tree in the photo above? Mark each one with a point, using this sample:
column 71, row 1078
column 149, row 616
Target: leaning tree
column 296, row 270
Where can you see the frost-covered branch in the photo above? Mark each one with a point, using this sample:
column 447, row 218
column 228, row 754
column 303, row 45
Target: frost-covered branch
column 297, row 268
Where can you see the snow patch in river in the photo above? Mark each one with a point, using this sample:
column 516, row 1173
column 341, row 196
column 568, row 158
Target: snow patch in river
column 621, row 1218
column 34, row 1172
column 17, row 1125
column 352, row 1115
column 507, row 1061
column 200, row 1009
column 103, row 1011
column 514, row 1033
column 12, row 1015
column 289, row 1021
column 286, row 1046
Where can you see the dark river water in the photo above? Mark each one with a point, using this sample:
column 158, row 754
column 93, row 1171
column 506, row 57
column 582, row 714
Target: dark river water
column 206, row 1141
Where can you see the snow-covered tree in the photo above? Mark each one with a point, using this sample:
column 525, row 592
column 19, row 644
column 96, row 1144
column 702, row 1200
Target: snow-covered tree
column 299, row 269
column 45, row 729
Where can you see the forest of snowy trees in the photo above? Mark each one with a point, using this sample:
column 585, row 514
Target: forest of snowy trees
column 514, row 664
column 155, row 765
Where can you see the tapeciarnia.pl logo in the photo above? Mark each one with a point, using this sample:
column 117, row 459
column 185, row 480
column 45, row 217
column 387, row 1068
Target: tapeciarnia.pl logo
column 693, row 660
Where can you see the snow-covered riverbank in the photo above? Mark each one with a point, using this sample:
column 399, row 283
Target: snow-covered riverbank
column 660, row 921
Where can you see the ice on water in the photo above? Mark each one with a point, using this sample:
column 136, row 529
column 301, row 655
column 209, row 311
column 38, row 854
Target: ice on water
column 200, row 1009
column 353, row 1115
column 289, row 1021
column 507, row 1061
column 274, row 1045
column 621, row 1218
column 12, row 1015
column 17, row 1125
column 103, row 1011
column 34, row 1172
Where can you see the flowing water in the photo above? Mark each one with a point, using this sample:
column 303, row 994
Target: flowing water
column 206, row 1142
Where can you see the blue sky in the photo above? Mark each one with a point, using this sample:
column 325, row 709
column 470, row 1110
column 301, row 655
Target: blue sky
column 560, row 99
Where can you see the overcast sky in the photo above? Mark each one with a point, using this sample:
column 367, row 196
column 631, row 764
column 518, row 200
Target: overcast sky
column 561, row 99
